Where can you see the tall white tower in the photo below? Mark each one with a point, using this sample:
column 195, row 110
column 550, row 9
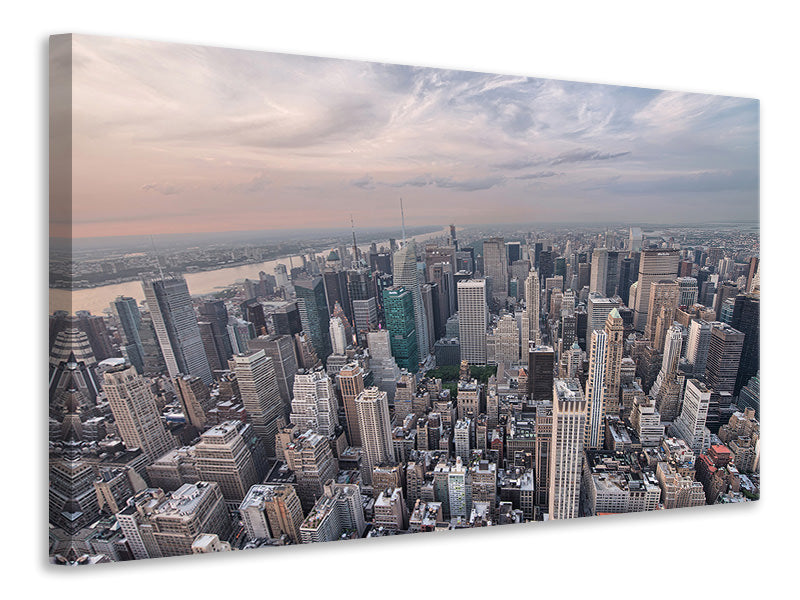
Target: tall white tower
column 338, row 336
column 532, row 299
column 261, row 397
column 472, row 320
column 372, row 406
column 691, row 423
column 566, row 450
column 596, row 390
column 314, row 403
column 597, row 280
column 654, row 265
column 135, row 412
column 697, row 346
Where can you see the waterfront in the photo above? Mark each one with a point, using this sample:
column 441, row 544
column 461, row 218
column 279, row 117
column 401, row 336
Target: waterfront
column 97, row 299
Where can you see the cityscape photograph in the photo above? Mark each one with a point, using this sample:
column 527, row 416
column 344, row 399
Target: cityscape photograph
column 298, row 299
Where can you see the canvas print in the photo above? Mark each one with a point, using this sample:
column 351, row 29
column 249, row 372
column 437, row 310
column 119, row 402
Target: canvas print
column 298, row 300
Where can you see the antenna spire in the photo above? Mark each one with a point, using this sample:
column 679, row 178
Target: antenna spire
column 155, row 252
column 403, row 219
column 355, row 246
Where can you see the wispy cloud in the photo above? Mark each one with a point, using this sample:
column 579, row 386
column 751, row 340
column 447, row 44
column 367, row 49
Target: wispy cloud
column 691, row 183
column 165, row 189
column 539, row 175
column 584, row 155
column 367, row 182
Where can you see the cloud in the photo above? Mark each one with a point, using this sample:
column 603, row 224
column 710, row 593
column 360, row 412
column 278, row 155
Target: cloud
column 584, row 155
column 519, row 163
column 257, row 184
column 420, row 181
column 538, row 175
column 469, row 185
column 205, row 120
column 365, row 183
column 691, row 183
column 166, row 189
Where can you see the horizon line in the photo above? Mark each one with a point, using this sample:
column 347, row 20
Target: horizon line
column 390, row 227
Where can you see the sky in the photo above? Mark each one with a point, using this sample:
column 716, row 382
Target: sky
column 172, row 138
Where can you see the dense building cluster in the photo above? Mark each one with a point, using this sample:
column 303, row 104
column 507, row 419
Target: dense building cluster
column 504, row 377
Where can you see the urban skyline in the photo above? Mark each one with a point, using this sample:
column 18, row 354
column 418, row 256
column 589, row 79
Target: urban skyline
column 416, row 378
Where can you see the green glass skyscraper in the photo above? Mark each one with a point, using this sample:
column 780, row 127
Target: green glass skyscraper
column 398, row 306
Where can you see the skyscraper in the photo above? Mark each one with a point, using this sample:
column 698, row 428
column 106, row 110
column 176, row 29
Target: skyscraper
column 566, row 449
column 381, row 362
column 472, row 320
column 540, row 372
column 495, row 266
column 130, row 319
column 338, row 512
column 687, row 291
column 442, row 275
column 365, row 317
column 697, row 346
column 599, row 271
column 281, row 349
column 135, row 412
column 188, row 511
column 153, row 358
column 406, row 275
column 176, row 327
column 314, row 404
column 210, row 347
column 531, row 313
column 258, row 385
column 398, row 307
column 286, row 319
column 195, row 399
column 724, row 353
column 690, row 425
column 664, row 298
column 94, row 326
column 222, row 455
column 372, row 407
column 430, row 307
column 666, row 390
column 599, row 307
column 654, row 265
column 336, row 291
column 351, row 383
column 271, row 511
column 746, row 311
column 310, row 457
column 615, row 336
column 73, row 369
column 338, row 337
column 626, row 279
column 253, row 312
column 596, row 390
column 507, row 341
column 314, row 313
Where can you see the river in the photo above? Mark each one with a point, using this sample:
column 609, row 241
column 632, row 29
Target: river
column 97, row 299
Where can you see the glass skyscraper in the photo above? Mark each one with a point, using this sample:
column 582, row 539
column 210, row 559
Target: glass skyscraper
column 314, row 314
column 398, row 306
